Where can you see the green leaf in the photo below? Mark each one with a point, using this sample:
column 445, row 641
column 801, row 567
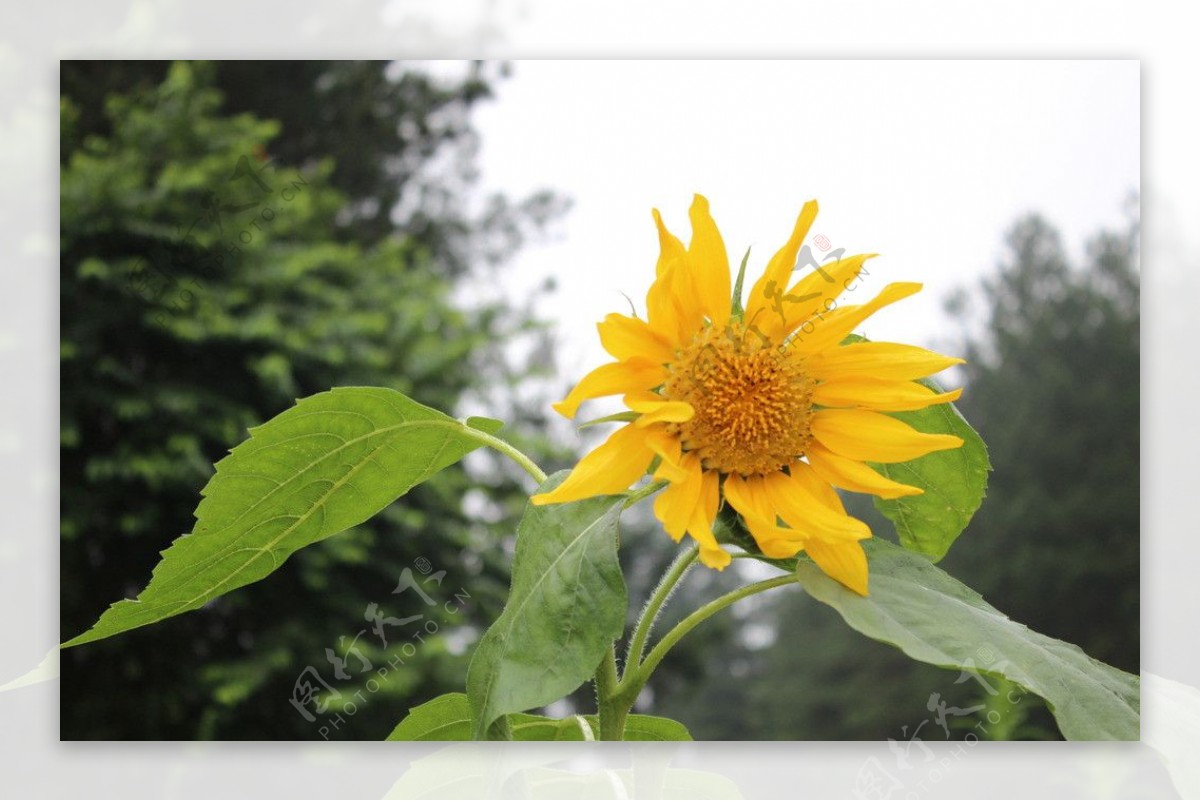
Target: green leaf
column 448, row 717
column 567, row 605
column 649, row 728
column 954, row 481
column 936, row 619
column 638, row 728
column 535, row 728
column 328, row 463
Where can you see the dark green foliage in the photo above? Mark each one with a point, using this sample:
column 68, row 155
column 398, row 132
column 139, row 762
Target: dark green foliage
column 1053, row 387
column 211, row 274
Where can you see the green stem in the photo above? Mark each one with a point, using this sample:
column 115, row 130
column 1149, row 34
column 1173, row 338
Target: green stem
column 635, row 679
column 611, row 710
column 508, row 450
column 661, row 593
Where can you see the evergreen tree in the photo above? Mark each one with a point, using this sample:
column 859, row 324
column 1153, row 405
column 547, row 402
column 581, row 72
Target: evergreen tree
column 224, row 253
column 1053, row 387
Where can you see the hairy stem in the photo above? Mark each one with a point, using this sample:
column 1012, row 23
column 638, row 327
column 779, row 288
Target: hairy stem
column 611, row 709
column 497, row 444
column 636, row 678
column 654, row 605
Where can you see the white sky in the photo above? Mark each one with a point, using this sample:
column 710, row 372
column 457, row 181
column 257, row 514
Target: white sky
column 924, row 162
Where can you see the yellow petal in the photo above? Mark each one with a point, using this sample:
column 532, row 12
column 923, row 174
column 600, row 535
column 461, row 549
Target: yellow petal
column 666, row 509
column 853, row 475
column 748, row 497
column 787, row 308
column 611, row 468
column 805, row 511
column 690, row 507
column 742, row 495
column 817, row 486
column 675, row 505
column 779, row 269
column 700, row 527
column 612, row 379
column 817, row 293
column 843, row 562
column 829, row 329
column 673, row 304
column 657, row 409
column 711, row 496
column 671, row 308
column 709, row 264
column 879, row 394
column 874, row 437
column 669, row 247
column 628, row 338
column 666, row 447
column 879, row 360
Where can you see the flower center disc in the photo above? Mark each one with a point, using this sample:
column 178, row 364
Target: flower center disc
column 753, row 405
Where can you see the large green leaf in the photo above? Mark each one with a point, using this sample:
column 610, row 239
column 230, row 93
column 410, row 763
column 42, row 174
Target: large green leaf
column 936, row 619
column 566, row 607
column 954, row 481
column 448, row 717
column 638, row 728
column 649, row 728
column 328, row 463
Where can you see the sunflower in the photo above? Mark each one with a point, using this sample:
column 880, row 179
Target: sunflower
column 762, row 407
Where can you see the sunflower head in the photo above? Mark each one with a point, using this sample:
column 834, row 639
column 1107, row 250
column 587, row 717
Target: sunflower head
column 763, row 407
column 752, row 406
